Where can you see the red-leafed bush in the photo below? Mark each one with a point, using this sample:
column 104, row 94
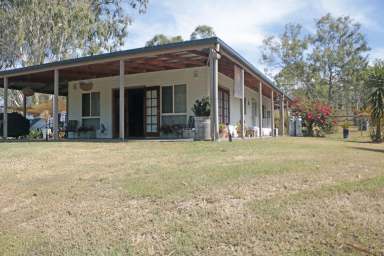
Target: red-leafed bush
column 316, row 116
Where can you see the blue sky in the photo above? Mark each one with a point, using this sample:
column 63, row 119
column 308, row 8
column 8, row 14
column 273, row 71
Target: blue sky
column 244, row 23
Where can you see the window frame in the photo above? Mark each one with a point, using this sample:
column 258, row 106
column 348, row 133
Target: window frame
column 173, row 113
column 264, row 112
column 151, row 115
column 90, row 105
column 245, row 105
column 222, row 91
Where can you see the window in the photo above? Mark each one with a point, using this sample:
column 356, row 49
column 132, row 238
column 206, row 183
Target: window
column 151, row 97
column 91, row 104
column 264, row 112
column 95, row 104
column 86, row 104
column 245, row 106
column 167, row 99
column 174, row 99
column 223, row 106
column 180, row 92
column 91, row 110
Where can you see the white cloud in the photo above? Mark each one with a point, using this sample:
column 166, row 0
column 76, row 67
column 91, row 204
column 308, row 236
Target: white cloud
column 377, row 53
column 243, row 24
column 236, row 22
column 360, row 11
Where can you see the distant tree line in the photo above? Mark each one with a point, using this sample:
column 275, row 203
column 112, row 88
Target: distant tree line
column 326, row 65
column 200, row 32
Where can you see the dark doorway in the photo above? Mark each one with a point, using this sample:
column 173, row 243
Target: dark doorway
column 115, row 113
column 135, row 112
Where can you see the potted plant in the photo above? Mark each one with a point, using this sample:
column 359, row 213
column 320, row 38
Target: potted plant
column 86, row 132
column 166, row 131
column 223, row 131
column 202, row 111
column 346, row 130
column 238, row 128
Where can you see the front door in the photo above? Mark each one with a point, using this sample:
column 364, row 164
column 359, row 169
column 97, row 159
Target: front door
column 152, row 111
column 135, row 113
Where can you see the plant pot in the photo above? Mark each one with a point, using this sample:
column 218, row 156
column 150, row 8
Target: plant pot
column 224, row 133
column 87, row 135
column 72, row 135
column 203, row 128
column 345, row 133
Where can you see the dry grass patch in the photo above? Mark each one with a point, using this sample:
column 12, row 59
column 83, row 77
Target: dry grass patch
column 263, row 197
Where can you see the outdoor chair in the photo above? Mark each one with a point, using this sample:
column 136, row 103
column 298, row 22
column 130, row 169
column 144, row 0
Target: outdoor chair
column 72, row 126
column 178, row 130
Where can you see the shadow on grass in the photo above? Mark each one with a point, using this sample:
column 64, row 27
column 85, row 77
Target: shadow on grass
column 360, row 141
column 370, row 149
column 95, row 140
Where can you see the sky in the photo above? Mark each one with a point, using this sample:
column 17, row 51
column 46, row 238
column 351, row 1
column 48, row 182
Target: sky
column 243, row 24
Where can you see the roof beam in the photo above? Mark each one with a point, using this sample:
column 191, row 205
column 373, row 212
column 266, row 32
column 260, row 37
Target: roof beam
column 124, row 55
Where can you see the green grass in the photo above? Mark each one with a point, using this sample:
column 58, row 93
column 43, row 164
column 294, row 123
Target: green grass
column 285, row 196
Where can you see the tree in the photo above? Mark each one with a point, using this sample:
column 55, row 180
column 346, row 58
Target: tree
column 202, row 31
column 48, row 30
column 36, row 31
column 339, row 54
column 287, row 54
column 375, row 82
column 326, row 65
column 161, row 39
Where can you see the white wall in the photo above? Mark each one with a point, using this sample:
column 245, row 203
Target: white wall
column 250, row 95
column 196, row 79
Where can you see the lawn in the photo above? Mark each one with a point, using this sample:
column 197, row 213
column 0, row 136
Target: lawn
column 285, row 196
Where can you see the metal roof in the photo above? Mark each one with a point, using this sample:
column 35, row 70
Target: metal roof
column 145, row 50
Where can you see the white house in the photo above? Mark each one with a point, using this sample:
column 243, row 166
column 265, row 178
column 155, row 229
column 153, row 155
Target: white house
column 134, row 93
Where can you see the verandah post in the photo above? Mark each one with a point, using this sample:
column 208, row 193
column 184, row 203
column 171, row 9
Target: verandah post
column 260, row 109
column 214, row 84
column 272, row 114
column 121, row 99
column 24, row 105
column 5, row 115
column 55, row 106
column 282, row 116
column 242, row 102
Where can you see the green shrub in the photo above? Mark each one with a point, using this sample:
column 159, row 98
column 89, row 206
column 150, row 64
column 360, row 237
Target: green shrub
column 202, row 107
column 35, row 134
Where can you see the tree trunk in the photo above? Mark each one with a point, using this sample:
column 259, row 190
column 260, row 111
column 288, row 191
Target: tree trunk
column 330, row 89
column 378, row 131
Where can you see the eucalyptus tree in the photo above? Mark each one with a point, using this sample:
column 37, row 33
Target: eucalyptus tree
column 37, row 31
column 325, row 65
column 340, row 54
column 287, row 53
column 161, row 39
column 202, row 31
column 44, row 30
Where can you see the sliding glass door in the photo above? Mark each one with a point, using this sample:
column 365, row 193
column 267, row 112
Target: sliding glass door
column 152, row 111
